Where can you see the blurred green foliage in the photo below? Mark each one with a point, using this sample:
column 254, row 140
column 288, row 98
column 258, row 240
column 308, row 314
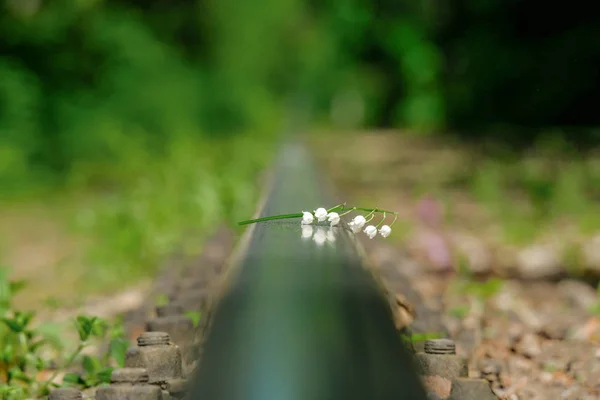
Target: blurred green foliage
column 89, row 82
column 88, row 88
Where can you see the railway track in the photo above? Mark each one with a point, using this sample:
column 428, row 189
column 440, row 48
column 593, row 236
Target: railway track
column 285, row 317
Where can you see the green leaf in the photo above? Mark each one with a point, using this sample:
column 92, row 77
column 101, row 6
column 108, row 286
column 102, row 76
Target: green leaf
column 17, row 286
column 12, row 393
column 162, row 300
column 99, row 327
column 24, row 318
column 40, row 364
column 118, row 348
column 18, row 375
column 34, row 360
column 51, row 334
column 460, row 311
column 7, row 354
column 73, row 378
column 35, row 345
column 194, row 316
column 13, row 324
column 84, row 325
column 104, row 375
column 91, row 364
column 5, row 292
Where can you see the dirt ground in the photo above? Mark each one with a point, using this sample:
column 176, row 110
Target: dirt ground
column 530, row 330
column 532, row 340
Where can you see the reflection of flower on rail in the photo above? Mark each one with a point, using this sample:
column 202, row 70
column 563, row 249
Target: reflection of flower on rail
column 333, row 216
column 321, row 236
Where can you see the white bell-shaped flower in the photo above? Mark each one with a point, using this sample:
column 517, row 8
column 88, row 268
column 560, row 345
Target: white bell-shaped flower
column 353, row 227
column 385, row 231
column 333, row 218
column 307, row 218
column 371, row 231
column 359, row 221
column 321, row 214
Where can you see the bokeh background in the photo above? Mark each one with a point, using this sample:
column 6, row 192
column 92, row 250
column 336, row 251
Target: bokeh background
column 130, row 128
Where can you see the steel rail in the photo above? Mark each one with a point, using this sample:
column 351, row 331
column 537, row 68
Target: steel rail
column 302, row 320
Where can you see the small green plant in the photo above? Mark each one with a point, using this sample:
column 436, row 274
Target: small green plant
column 550, row 366
column 408, row 340
column 421, row 337
column 194, row 316
column 24, row 350
column 483, row 290
column 460, row 311
column 97, row 370
column 477, row 290
column 161, row 300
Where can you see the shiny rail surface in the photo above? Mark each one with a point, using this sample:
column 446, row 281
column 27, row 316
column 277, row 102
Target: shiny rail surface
column 302, row 320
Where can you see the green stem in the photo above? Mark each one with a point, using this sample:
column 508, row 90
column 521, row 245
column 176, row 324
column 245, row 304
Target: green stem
column 283, row 216
column 374, row 210
column 348, row 212
column 70, row 360
column 341, row 206
column 381, row 222
column 371, row 215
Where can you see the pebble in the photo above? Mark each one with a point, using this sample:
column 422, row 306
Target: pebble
column 556, row 330
column 538, row 262
column 491, row 368
column 591, row 254
column 575, row 392
column 529, row 346
column 474, row 251
column 546, row 377
column 439, row 386
column 578, row 294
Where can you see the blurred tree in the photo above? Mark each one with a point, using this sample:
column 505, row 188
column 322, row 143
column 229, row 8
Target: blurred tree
column 85, row 83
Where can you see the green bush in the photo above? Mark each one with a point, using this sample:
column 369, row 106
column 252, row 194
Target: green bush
column 24, row 350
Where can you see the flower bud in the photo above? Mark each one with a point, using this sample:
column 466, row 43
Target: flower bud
column 359, row 221
column 333, row 218
column 385, row 231
column 307, row 218
column 371, row 231
column 321, row 214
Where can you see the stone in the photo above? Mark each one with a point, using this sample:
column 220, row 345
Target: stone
column 179, row 327
column 529, row 346
column 490, row 369
column 578, row 293
column 474, row 251
column 129, row 383
column 471, row 389
column 447, row 366
column 437, row 385
column 539, row 262
column 65, row 394
column 591, row 254
column 168, row 310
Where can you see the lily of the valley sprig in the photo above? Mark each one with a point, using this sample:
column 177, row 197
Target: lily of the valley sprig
column 334, row 215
